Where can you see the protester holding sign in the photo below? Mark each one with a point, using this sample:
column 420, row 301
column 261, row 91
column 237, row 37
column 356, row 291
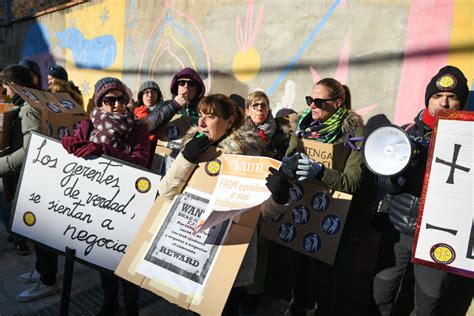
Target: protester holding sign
column 328, row 120
column 25, row 119
column 447, row 90
column 112, row 131
column 220, row 124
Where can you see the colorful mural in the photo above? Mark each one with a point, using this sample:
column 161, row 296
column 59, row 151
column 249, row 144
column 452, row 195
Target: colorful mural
column 384, row 51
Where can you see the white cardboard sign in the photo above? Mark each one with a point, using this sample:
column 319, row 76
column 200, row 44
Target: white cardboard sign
column 445, row 235
column 94, row 206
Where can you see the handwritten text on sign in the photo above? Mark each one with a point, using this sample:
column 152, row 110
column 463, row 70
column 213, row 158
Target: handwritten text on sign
column 92, row 205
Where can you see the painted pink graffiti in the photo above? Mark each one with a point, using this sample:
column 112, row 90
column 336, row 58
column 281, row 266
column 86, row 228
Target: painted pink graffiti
column 341, row 74
column 245, row 39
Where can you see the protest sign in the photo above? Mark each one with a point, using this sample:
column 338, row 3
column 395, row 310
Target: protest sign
column 315, row 218
column 240, row 186
column 60, row 114
column 444, row 237
column 94, row 206
column 169, row 142
column 194, row 271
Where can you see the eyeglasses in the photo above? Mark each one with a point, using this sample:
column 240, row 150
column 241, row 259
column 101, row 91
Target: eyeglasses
column 110, row 101
column 317, row 101
column 256, row 106
column 190, row 83
column 150, row 91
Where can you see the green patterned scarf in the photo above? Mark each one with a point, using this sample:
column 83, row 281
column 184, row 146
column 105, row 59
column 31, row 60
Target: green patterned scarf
column 326, row 132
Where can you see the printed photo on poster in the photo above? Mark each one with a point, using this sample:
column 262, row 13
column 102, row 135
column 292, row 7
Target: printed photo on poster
column 179, row 252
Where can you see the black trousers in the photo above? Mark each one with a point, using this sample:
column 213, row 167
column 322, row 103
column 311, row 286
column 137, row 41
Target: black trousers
column 394, row 258
column 46, row 264
column 110, row 286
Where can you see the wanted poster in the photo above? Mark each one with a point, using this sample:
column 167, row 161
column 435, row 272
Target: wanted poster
column 178, row 256
column 445, row 233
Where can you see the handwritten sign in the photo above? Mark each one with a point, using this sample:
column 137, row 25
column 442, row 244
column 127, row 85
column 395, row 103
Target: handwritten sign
column 92, row 205
column 445, row 235
column 240, row 186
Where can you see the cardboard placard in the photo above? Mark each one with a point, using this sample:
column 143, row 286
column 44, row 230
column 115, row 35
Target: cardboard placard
column 169, row 143
column 208, row 292
column 94, row 206
column 444, row 237
column 314, row 220
column 60, row 114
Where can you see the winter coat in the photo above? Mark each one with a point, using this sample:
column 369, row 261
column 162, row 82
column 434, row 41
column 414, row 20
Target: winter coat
column 27, row 119
column 243, row 142
column 161, row 114
column 349, row 179
column 137, row 143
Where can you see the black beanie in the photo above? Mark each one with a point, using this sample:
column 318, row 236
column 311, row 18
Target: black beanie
column 59, row 72
column 448, row 79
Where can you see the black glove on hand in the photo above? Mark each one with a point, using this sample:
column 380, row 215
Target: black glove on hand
column 196, row 147
column 278, row 184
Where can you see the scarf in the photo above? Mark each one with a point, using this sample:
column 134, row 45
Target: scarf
column 110, row 128
column 267, row 129
column 428, row 119
column 326, row 132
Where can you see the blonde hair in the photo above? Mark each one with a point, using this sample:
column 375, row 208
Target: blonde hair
column 256, row 95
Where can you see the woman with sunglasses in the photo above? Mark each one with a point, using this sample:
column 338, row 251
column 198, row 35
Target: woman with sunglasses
column 112, row 131
column 327, row 119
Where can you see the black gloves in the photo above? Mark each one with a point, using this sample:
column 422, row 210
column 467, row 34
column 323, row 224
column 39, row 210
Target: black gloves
column 196, row 147
column 278, row 184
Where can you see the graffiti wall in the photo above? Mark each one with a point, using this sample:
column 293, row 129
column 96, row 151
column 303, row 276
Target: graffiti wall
column 385, row 51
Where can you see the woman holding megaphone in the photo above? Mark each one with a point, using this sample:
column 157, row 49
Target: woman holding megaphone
column 328, row 119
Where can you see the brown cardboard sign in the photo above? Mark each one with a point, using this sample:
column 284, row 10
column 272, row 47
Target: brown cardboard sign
column 60, row 114
column 214, row 283
column 332, row 156
column 169, row 142
column 313, row 222
column 315, row 218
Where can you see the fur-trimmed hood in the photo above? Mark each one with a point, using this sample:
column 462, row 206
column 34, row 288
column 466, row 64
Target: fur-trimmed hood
column 243, row 141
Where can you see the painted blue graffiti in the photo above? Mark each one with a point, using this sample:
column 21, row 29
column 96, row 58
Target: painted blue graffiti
column 308, row 41
column 96, row 53
column 36, row 40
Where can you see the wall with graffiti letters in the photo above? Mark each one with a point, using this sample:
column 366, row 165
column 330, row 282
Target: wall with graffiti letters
column 385, row 51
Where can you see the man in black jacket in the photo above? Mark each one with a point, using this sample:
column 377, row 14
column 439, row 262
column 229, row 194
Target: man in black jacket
column 447, row 90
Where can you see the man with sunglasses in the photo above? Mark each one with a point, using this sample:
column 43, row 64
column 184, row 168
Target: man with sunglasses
column 328, row 119
column 187, row 89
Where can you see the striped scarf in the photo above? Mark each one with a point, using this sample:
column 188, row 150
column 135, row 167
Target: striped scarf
column 326, row 132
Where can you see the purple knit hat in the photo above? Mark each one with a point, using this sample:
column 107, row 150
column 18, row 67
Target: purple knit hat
column 105, row 85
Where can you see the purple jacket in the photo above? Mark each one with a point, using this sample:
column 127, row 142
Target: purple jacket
column 137, row 141
column 188, row 73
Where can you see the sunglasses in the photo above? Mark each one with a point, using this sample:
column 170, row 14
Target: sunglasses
column 110, row 101
column 256, row 106
column 190, row 83
column 317, row 101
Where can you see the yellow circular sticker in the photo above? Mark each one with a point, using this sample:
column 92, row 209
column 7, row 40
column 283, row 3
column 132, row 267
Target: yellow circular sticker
column 446, row 82
column 213, row 167
column 143, row 185
column 29, row 218
column 442, row 253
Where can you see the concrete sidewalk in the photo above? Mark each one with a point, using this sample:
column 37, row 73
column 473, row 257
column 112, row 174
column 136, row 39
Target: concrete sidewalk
column 86, row 296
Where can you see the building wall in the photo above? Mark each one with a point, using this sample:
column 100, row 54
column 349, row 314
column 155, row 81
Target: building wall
column 385, row 51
